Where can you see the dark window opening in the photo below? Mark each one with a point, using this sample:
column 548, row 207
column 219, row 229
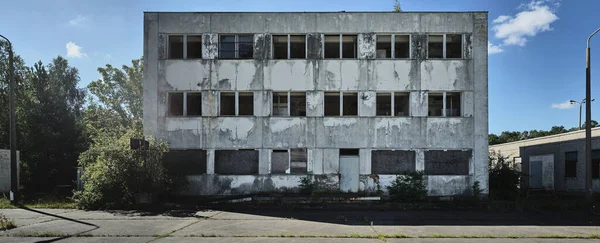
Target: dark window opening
column 595, row 168
column 332, row 104
column 280, row 103
column 384, row 46
column 236, row 46
column 227, row 104
column 350, row 152
column 175, row 104
column 194, row 46
column 383, row 104
column 401, row 46
column 454, row 46
column 298, row 161
column 185, row 162
column 453, row 104
column 571, row 164
column 298, row 46
column 236, row 162
column 332, row 46
column 392, row 162
column 194, row 104
column 401, row 104
column 350, row 102
column 246, row 103
column 280, row 47
column 280, row 162
column 435, row 46
column 449, row 162
column 349, row 46
column 176, row 47
column 436, row 104
column 297, row 104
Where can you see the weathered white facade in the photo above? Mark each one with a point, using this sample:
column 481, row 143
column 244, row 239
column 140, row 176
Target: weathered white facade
column 424, row 139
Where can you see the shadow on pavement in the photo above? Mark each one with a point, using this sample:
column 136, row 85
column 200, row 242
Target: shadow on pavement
column 63, row 218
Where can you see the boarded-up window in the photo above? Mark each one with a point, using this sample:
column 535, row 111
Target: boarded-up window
column 227, row 104
column 571, row 164
column 280, row 162
column 298, row 161
column 194, row 46
column 176, row 47
column 392, row 162
column 401, row 104
column 435, row 46
column 185, row 162
column 449, row 162
column 332, row 104
column 236, row 162
column 350, row 104
column 175, row 104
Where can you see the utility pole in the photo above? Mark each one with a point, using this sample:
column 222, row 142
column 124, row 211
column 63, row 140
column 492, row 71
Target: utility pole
column 588, row 119
column 13, row 126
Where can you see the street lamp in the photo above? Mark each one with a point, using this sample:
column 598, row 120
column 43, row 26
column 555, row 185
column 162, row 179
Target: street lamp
column 580, row 103
column 13, row 124
column 588, row 118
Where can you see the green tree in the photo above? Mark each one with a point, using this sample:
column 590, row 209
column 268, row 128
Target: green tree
column 397, row 6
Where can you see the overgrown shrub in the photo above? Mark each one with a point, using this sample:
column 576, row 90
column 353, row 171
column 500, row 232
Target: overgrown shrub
column 477, row 190
column 408, row 187
column 505, row 178
column 114, row 174
column 307, row 186
column 6, row 223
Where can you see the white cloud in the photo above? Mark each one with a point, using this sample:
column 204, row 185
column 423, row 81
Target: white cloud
column 74, row 50
column 535, row 17
column 563, row 106
column 493, row 49
column 78, row 21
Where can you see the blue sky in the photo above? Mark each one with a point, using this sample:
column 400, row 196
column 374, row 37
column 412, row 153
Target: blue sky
column 541, row 64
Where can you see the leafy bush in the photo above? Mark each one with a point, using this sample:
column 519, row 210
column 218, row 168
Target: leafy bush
column 6, row 224
column 477, row 190
column 307, row 186
column 408, row 187
column 505, row 177
column 114, row 174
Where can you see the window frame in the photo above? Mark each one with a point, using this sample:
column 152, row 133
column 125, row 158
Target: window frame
column 236, row 48
column 185, row 47
column 393, row 44
column 444, row 105
column 289, row 103
column 184, row 106
column 289, row 45
column 289, row 154
column 444, row 47
column 237, row 103
column 393, row 102
column 341, row 49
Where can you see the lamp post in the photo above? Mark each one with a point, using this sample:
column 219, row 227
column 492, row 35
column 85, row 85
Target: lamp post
column 580, row 104
column 588, row 118
column 13, row 125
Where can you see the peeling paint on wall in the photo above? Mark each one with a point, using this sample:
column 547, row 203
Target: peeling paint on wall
column 337, row 122
column 238, row 129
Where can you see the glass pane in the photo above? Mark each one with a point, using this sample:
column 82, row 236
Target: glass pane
column 246, row 51
column 280, row 47
column 280, row 104
column 176, row 47
column 298, row 46
column 401, row 104
column 332, row 104
column 453, row 104
column 436, row 104
column 350, row 104
column 435, row 46
column 453, row 46
column 246, row 38
column 402, row 46
column 349, row 47
column 384, row 104
column 384, row 46
column 194, row 46
column 332, row 46
column 246, row 105
column 175, row 104
column 297, row 104
column 194, row 104
column 227, row 104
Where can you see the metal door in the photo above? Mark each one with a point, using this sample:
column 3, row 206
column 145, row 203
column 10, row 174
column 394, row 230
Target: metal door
column 349, row 173
column 535, row 172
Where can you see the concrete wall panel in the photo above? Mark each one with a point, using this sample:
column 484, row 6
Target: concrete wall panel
column 286, row 75
column 449, row 133
column 184, row 133
column 440, row 75
column 233, row 132
column 285, row 132
column 393, row 75
column 397, row 132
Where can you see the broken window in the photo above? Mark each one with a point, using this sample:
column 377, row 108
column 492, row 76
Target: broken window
column 401, row 103
column 194, row 46
column 447, row 162
column 392, row 162
column 176, row 47
column 453, row 46
column 227, row 104
column 332, row 104
column 452, row 104
column 571, row 164
column 436, row 104
column 435, row 46
column 383, row 104
column 332, row 46
column 350, row 103
column 280, row 162
column 350, row 152
column 401, row 46
column 236, row 162
column 280, row 47
column 175, row 104
column 193, row 104
column 297, row 104
column 280, row 103
column 297, row 46
column 384, row 46
column 246, row 103
column 236, row 46
column 298, row 161
column 349, row 46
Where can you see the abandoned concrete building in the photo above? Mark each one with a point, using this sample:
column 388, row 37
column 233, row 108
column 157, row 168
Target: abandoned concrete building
column 253, row 102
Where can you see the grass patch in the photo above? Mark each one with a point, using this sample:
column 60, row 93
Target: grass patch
column 41, row 202
column 6, row 223
column 41, row 234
